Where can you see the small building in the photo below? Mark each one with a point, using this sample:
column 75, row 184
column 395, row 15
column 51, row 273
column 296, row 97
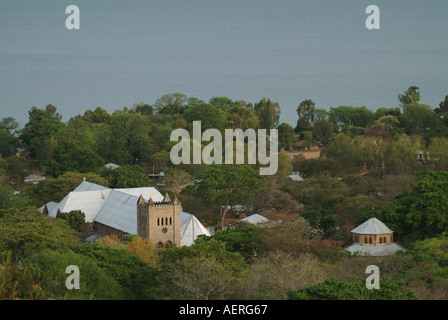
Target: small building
column 256, row 219
column 33, row 179
column 373, row 238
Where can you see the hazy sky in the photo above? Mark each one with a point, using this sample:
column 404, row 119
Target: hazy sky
column 286, row 50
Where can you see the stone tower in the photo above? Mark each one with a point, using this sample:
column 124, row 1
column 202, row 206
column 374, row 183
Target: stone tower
column 159, row 221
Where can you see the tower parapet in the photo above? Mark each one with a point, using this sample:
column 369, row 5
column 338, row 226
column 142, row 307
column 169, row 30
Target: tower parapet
column 159, row 221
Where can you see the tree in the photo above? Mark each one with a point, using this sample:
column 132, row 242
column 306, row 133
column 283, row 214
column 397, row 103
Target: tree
column 137, row 278
column 130, row 138
column 42, row 125
column 352, row 116
column 177, row 179
column 223, row 103
column 25, row 231
column 285, row 135
column 129, row 176
column 409, row 97
column 243, row 117
column 306, row 113
column 170, row 103
column 353, row 289
column 19, row 280
column 268, row 113
column 343, row 150
column 442, row 110
column 323, row 131
column 145, row 249
column 99, row 115
column 222, row 185
column 211, row 117
column 419, row 118
column 419, row 213
column 438, row 153
column 75, row 218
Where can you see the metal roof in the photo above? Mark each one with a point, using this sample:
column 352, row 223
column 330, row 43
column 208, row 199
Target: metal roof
column 190, row 229
column 89, row 186
column 372, row 226
column 89, row 202
column 255, row 219
column 378, row 250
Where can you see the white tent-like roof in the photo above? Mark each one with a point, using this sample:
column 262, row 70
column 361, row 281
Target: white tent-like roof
column 375, row 250
column 372, row 226
column 256, row 219
column 190, row 229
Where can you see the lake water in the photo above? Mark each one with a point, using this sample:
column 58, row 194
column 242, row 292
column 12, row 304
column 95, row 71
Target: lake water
column 286, row 50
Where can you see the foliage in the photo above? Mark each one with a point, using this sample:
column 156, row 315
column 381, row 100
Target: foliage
column 222, row 185
column 241, row 240
column 354, row 289
column 75, row 218
column 56, row 189
column 129, row 176
column 18, row 279
column 213, row 248
column 138, row 279
column 177, row 179
column 268, row 113
column 26, row 231
column 42, row 125
column 271, row 276
column 94, row 282
column 419, row 213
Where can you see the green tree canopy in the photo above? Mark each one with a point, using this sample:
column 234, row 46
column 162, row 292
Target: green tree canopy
column 222, row 185
column 353, row 289
column 268, row 113
column 25, row 231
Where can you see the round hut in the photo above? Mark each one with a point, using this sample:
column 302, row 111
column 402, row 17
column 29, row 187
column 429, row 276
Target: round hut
column 373, row 238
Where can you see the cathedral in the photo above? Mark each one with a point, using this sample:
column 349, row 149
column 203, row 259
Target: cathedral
column 142, row 211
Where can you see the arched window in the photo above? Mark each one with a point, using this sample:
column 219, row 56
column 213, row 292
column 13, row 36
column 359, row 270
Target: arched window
column 370, row 240
column 166, row 221
column 365, row 240
column 158, row 221
column 171, row 221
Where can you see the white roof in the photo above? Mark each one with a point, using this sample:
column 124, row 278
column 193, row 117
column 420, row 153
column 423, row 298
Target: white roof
column 378, row 250
column 255, row 219
column 295, row 176
column 190, row 229
column 89, row 202
column 89, row 186
column 120, row 209
column 111, row 166
column 372, row 226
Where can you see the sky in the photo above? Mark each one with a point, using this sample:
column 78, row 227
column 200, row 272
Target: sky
column 127, row 52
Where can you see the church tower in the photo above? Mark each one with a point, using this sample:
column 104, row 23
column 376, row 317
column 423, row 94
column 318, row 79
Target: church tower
column 159, row 221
